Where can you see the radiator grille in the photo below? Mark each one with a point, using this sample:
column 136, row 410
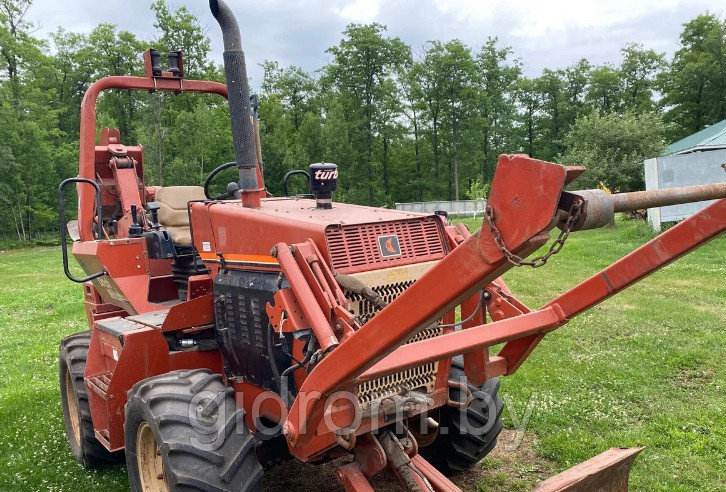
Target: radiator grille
column 422, row 378
column 354, row 248
column 363, row 307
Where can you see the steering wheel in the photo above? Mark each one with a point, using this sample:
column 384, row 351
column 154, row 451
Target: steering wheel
column 230, row 193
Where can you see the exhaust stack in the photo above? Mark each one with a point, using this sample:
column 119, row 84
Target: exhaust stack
column 243, row 136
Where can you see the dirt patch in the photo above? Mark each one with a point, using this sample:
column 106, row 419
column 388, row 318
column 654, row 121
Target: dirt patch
column 693, row 378
column 506, row 468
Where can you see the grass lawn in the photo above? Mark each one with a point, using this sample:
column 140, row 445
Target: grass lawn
column 646, row 368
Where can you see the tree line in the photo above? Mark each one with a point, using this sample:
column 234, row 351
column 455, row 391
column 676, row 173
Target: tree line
column 403, row 123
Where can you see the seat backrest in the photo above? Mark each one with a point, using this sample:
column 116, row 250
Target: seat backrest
column 173, row 204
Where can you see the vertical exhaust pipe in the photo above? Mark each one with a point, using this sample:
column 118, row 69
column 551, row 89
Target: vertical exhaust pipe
column 238, row 96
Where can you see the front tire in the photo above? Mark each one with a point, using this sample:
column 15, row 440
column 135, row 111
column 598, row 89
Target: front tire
column 472, row 432
column 87, row 450
column 184, row 431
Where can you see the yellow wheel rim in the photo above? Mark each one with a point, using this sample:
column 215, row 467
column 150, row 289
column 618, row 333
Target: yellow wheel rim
column 72, row 408
column 148, row 459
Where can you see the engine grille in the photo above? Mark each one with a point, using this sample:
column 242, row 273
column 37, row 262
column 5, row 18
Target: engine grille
column 354, row 248
column 422, row 378
column 418, row 378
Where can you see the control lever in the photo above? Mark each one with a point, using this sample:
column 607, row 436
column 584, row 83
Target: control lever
column 135, row 228
column 154, row 209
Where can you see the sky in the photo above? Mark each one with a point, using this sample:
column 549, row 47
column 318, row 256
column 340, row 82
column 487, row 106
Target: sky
column 543, row 34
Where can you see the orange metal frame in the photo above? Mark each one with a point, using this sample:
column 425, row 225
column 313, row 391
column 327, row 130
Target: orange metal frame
column 526, row 195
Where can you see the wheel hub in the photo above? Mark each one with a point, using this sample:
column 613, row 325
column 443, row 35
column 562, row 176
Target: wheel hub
column 72, row 408
column 148, row 459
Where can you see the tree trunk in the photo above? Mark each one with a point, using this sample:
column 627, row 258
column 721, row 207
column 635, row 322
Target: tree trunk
column 22, row 224
column 386, row 184
column 418, row 159
column 456, row 175
column 485, row 166
column 15, row 219
column 29, row 214
column 530, row 131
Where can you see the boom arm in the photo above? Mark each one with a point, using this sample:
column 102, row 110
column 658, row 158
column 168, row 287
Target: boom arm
column 529, row 201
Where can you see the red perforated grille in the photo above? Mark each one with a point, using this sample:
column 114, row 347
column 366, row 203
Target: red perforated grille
column 354, row 248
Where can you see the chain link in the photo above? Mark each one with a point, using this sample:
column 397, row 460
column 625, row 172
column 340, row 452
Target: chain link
column 539, row 261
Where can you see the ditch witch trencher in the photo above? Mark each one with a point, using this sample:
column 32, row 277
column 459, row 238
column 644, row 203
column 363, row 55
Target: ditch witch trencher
column 229, row 333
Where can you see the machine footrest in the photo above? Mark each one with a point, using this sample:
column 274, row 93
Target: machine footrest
column 99, row 383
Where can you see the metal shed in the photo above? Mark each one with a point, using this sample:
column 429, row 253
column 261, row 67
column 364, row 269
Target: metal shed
column 697, row 159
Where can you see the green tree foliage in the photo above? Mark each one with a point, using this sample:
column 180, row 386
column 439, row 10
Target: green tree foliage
column 184, row 137
column 638, row 72
column 180, row 30
column 496, row 83
column 612, row 147
column 33, row 152
column 361, row 74
column 605, row 90
column 694, row 86
column 402, row 126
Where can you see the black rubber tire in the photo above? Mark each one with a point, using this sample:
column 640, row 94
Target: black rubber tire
column 199, row 450
column 472, row 432
column 87, row 450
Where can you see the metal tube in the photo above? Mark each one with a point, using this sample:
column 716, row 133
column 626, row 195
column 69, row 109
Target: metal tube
column 308, row 303
column 639, row 200
column 86, row 154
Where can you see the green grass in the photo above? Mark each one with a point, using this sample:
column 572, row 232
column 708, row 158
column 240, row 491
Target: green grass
column 644, row 368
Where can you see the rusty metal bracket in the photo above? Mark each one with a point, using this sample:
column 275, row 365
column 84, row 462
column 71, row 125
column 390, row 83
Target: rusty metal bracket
column 538, row 261
column 606, row 471
column 464, row 389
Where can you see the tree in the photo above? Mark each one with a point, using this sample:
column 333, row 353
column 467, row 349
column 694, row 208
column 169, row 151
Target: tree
column 694, row 88
column 638, row 74
column 605, row 90
column 180, row 30
column 459, row 70
column 431, row 89
column 447, row 80
column 116, row 53
column 156, row 128
column 577, row 77
column 529, row 101
column 497, row 77
column 336, row 143
column 412, row 107
column 296, row 88
column 612, row 147
column 32, row 141
column 72, row 71
column 551, row 85
column 363, row 63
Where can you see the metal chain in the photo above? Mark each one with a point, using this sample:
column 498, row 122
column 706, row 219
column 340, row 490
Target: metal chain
column 539, row 261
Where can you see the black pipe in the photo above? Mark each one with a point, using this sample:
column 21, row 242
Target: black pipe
column 238, row 95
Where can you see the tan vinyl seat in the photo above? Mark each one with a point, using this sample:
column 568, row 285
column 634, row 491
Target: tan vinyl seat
column 173, row 214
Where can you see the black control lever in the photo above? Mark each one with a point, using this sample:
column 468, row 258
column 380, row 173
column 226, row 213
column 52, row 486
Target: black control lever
column 154, row 209
column 135, row 228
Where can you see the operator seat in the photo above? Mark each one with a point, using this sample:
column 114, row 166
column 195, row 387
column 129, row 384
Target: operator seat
column 173, row 214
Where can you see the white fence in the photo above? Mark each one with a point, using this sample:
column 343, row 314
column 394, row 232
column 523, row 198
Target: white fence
column 470, row 208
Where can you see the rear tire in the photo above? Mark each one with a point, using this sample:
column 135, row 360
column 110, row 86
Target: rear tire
column 472, row 432
column 184, row 431
column 87, row 450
